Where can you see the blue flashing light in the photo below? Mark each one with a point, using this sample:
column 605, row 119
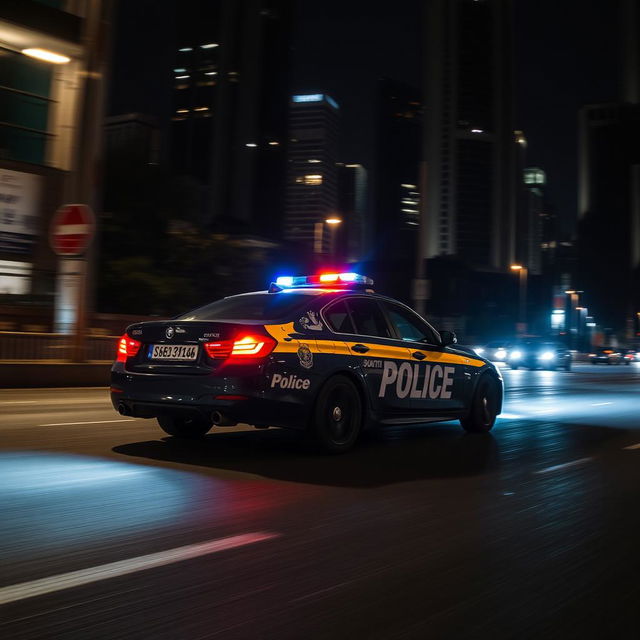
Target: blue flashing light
column 323, row 280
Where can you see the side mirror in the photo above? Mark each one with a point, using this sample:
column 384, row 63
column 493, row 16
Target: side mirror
column 447, row 338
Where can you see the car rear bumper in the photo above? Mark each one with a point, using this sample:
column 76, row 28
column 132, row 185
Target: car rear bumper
column 235, row 399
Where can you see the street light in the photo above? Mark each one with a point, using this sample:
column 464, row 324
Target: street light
column 522, row 315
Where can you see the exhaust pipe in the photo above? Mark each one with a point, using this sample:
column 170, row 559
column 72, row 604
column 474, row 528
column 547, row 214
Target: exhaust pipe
column 123, row 410
column 221, row 421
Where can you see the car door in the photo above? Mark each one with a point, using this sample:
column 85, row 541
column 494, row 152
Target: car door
column 441, row 378
column 362, row 326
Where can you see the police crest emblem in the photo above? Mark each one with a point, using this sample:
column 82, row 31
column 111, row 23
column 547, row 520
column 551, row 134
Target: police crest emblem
column 305, row 356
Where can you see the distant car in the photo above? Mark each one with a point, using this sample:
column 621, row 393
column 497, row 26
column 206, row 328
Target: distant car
column 630, row 355
column 606, row 355
column 495, row 351
column 539, row 354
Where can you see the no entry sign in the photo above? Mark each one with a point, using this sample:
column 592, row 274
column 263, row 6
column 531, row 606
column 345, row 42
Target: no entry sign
column 72, row 229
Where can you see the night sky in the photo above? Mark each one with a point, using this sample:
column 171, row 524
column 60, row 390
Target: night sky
column 566, row 56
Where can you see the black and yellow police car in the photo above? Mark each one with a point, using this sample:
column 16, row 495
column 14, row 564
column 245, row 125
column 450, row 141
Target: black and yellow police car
column 322, row 353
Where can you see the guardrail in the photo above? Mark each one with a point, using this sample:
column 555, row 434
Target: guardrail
column 22, row 346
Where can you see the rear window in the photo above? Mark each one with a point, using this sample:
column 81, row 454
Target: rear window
column 253, row 306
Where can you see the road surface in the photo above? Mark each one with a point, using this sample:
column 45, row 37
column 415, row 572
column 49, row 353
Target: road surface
column 109, row 529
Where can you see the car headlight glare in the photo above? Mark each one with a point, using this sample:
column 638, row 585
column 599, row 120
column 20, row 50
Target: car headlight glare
column 547, row 355
column 516, row 355
column 500, row 354
column 479, row 350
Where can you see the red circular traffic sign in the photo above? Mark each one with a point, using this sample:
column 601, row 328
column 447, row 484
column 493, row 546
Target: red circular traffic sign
column 72, row 229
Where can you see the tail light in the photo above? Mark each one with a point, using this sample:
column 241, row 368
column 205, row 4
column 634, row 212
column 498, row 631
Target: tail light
column 250, row 346
column 127, row 348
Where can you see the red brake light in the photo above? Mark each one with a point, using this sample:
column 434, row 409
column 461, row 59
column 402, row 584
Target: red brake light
column 220, row 349
column 251, row 346
column 127, row 348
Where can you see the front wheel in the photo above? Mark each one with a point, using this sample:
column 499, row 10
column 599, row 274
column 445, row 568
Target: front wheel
column 184, row 426
column 484, row 406
column 337, row 418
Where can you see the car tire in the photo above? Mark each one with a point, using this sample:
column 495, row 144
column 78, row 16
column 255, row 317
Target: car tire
column 514, row 366
column 484, row 406
column 337, row 416
column 188, row 427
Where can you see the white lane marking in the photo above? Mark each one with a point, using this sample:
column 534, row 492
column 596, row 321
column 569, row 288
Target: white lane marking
column 565, row 465
column 510, row 416
column 64, row 424
column 600, row 404
column 633, row 446
column 24, row 590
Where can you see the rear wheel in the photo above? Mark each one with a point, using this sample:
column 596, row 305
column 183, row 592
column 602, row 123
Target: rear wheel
column 484, row 406
column 337, row 417
column 184, row 426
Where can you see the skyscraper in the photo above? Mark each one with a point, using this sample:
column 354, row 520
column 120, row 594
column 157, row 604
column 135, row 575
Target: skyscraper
column 231, row 94
column 399, row 121
column 609, row 195
column 469, row 137
column 312, row 180
column 352, row 209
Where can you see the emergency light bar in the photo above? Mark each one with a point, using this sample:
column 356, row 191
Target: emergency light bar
column 323, row 279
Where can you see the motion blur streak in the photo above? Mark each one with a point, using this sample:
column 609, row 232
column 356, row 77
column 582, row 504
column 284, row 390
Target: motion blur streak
column 40, row 494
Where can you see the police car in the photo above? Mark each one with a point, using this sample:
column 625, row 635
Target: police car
column 320, row 353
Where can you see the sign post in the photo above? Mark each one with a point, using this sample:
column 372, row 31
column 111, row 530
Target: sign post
column 70, row 234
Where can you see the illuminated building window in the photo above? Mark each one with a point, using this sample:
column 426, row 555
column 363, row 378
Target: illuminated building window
column 310, row 179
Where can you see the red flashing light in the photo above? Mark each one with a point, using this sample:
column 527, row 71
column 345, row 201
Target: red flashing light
column 127, row 348
column 329, row 277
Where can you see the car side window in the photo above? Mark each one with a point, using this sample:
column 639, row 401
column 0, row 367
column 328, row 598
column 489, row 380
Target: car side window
column 368, row 318
column 337, row 317
column 409, row 326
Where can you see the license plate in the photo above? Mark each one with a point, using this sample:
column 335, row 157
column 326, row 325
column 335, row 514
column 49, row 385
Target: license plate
column 173, row 352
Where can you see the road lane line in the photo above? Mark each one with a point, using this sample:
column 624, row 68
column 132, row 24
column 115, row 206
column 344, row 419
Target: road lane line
column 633, row 446
column 24, row 590
column 600, row 404
column 565, row 465
column 64, row 424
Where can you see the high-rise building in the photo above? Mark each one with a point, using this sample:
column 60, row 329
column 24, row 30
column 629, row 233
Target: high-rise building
column 312, row 174
column 43, row 83
column 608, row 205
column 398, row 152
column 230, row 118
column 609, row 196
column 352, row 209
column 531, row 220
column 470, row 152
column 134, row 134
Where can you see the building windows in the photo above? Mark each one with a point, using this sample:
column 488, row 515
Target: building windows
column 312, row 179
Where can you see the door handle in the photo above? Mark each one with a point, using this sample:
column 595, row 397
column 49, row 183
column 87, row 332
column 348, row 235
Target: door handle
column 418, row 355
column 360, row 348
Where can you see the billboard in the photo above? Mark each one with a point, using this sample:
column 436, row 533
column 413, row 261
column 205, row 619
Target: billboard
column 20, row 195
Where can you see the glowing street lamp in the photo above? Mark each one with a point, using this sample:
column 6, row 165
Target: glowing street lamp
column 46, row 56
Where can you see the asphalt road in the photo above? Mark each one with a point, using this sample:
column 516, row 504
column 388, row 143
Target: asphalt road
column 110, row 530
